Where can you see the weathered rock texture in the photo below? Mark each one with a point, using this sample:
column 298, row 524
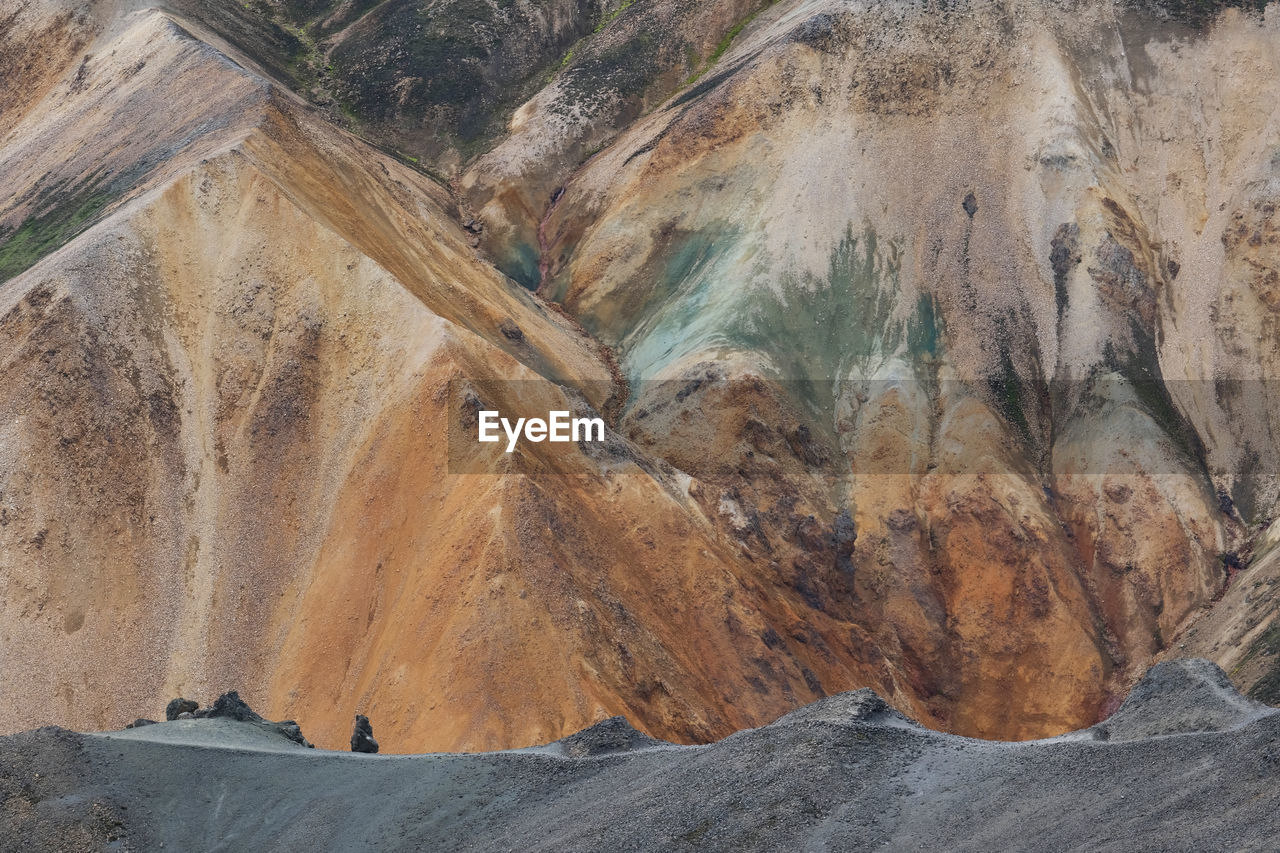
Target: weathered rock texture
column 936, row 343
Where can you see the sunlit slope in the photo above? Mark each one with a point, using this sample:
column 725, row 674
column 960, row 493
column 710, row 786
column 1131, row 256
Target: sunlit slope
column 1019, row 258
column 224, row 442
column 939, row 345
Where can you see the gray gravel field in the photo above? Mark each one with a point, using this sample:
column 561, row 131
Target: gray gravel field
column 1186, row 764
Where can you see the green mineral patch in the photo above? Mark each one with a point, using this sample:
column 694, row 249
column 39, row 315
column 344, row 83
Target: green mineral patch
column 819, row 330
column 520, row 262
column 714, row 294
column 686, row 304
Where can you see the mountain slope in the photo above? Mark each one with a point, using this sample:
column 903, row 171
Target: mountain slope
column 225, row 440
column 935, row 345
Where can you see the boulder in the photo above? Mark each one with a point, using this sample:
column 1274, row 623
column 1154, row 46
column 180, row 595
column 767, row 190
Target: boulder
column 180, row 706
column 231, row 706
column 362, row 736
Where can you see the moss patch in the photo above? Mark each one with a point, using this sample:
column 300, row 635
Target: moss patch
column 725, row 42
column 1267, row 688
column 52, row 227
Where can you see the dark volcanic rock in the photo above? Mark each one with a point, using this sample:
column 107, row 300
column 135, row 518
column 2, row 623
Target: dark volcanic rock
column 291, row 730
column 846, row 536
column 231, row 706
column 511, row 331
column 140, row 722
column 362, row 736
column 180, row 706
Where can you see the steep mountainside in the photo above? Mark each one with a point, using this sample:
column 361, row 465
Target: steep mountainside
column 936, row 343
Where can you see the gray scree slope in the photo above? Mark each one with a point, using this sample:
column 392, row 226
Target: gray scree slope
column 1185, row 764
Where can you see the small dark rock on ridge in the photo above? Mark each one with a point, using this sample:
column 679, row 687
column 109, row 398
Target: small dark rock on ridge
column 231, row 706
column 179, row 706
column 362, row 736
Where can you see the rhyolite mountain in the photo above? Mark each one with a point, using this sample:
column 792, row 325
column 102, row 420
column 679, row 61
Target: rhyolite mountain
column 937, row 343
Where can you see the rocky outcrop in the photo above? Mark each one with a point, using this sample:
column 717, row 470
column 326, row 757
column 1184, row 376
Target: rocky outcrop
column 1179, row 697
column 362, row 736
column 178, row 707
column 229, row 706
column 608, row 737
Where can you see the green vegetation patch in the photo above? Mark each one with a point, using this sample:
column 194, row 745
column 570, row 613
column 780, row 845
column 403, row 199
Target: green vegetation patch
column 1267, row 688
column 51, row 227
column 726, row 41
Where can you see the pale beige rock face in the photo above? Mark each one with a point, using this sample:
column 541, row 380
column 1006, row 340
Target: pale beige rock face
column 225, row 407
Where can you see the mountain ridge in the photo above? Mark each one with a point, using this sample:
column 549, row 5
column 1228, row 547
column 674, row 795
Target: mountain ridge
column 850, row 773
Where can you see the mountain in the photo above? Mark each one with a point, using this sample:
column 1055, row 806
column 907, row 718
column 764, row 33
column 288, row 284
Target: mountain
column 1187, row 763
column 934, row 340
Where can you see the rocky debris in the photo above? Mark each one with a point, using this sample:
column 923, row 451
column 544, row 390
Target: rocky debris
column 610, row 737
column 845, row 773
column 180, row 706
column 140, row 722
column 970, row 204
column 846, row 536
column 854, row 707
column 805, row 447
column 362, row 736
column 511, row 331
column 291, row 730
column 1178, row 697
column 1064, row 255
